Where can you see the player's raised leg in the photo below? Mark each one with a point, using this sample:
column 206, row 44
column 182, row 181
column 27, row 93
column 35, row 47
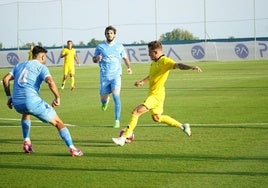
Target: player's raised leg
column 172, row 122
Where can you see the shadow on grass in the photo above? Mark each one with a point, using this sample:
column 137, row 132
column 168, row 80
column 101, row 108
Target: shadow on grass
column 126, row 170
column 180, row 157
column 146, row 156
column 15, row 141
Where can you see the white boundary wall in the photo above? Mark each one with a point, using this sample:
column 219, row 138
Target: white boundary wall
column 215, row 51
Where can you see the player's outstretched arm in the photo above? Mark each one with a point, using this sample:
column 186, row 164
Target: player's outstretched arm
column 187, row 67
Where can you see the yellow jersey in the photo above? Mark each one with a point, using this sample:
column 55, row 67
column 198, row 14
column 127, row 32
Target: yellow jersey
column 30, row 55
column 158, row 75
column 69, row 58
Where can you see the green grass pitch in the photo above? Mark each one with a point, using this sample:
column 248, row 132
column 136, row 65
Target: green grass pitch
column 227, row 106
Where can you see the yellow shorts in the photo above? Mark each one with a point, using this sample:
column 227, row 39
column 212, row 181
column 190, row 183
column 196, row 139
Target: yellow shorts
column 68, row 69
column 154, row 104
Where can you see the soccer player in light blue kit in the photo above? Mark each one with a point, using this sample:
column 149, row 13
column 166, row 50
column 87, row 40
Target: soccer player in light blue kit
column 109, row 55
column 28, row 77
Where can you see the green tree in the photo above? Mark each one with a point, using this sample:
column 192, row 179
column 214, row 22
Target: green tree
column 81, row 43
column 141, row 42
column 27, row 45
column 94, row 42
column 1, row 45
column 177, row 34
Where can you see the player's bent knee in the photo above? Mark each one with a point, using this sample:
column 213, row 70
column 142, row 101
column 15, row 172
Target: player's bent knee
column 137, row 112
column 156, row 118
column 57, row 123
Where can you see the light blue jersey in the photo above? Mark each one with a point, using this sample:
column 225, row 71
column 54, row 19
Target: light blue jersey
column 28, row 77
column 110, row 65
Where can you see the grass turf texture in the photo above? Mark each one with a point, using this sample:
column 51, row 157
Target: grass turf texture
column 227, row 106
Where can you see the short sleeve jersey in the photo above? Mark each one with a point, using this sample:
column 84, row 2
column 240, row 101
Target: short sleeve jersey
column 69, row 58
column 158, row 74
column 112, row 55
column 28, row 77
column 30, row 55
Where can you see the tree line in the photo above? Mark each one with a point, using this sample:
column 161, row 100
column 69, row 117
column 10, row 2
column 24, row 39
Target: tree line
column 174, row 35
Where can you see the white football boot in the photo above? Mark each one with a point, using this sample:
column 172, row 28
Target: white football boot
column 187, row 129
column 119, row 141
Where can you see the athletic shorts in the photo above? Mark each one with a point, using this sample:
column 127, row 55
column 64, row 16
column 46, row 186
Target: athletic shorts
column 154, row 104
column 68, row 69
column 107, row 85
column 42, row 110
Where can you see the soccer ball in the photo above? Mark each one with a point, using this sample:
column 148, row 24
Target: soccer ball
column 129, row 138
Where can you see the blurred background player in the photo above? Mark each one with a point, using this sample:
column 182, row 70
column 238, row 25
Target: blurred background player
column 69, row 55
column 158, row 74
column 30, row 53
column 109, row 55
column 28, row 77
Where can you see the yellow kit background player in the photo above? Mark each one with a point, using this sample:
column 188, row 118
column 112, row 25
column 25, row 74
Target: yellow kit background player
column 30, row 53
column 69, row 55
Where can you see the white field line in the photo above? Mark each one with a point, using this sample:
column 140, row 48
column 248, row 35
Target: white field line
column 36, row 121
column 211, row 124
column 192, row 124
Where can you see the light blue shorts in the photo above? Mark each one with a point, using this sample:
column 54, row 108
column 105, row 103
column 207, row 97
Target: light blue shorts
column 42, row 110
column 107, row 85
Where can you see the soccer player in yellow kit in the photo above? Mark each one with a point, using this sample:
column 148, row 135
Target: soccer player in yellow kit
column 70, row 56
column 30, row 53
column 158, row 74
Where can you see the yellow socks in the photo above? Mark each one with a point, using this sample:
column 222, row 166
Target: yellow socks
column 169, row 121
column 72, row 81
column 131, row 126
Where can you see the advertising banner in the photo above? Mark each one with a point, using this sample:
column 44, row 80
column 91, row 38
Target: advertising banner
column 194, row 52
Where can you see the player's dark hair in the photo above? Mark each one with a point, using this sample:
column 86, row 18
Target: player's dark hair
column 110, row 28
column 37, row 50
column 155, row 45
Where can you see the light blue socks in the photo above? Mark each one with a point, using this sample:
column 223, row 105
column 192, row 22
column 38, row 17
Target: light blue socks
column 117, row 106
column 66, row 136
column 26, row 126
